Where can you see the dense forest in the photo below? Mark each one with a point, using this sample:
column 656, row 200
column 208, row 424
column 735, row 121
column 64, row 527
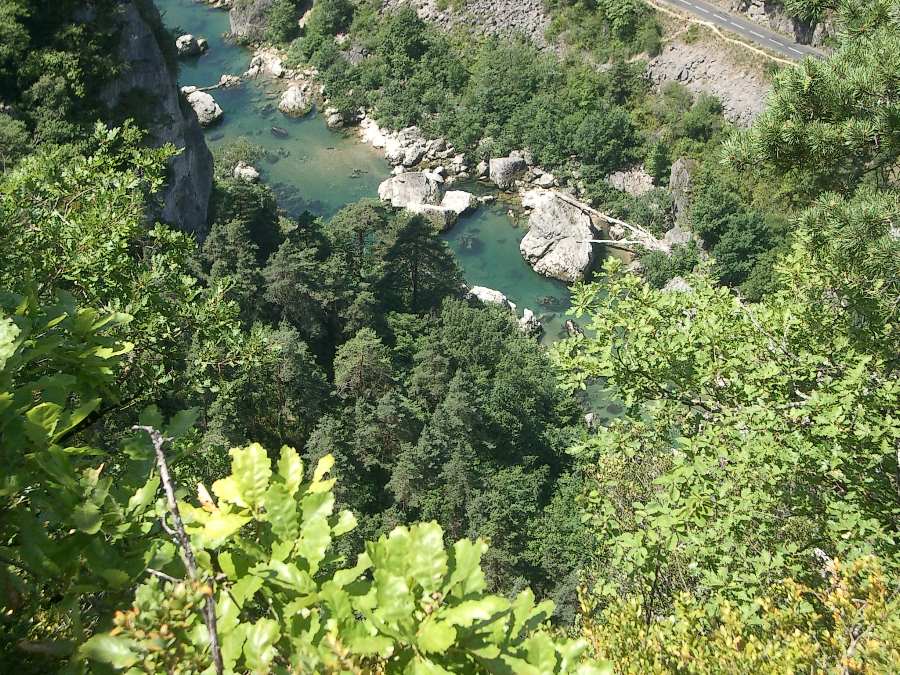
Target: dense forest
column 295, row 444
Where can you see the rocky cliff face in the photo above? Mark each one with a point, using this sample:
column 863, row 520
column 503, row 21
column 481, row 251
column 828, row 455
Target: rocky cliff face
column 703, row 68
column 248, row 19
column 147, row 87
column 486, row 17
column 771, row 13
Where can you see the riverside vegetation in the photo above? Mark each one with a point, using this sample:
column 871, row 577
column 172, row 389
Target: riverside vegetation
column 296, row 447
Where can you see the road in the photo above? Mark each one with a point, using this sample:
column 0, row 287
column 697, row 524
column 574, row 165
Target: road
column 747, row 29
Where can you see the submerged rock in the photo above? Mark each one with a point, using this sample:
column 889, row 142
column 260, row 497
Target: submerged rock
column 559, row 232
column 412, row 187
column 208, row 111
column 294, row 103
column 503, row 171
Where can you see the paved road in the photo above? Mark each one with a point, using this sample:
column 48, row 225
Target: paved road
column 747, row 29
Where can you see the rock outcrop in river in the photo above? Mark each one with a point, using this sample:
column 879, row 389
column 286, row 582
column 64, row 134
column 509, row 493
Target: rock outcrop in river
column 559, row 232
column 205, row 107
column 185, row 198
column 412, row 187
column 423, row 192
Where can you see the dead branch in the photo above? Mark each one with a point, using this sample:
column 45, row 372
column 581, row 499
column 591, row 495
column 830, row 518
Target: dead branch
column 184, row 542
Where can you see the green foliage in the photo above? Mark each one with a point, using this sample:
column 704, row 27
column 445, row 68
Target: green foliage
column 457, row 422
column 14, row 140
column 744, row 445
column 53, row 66
column 406, row 605
column 624, row 27
column 740, row 239
column 659, row 268
column 281, row 21
column 83, row 525
column 831, row 123
column 74, row 519
column 850, row 625
column 362, row 366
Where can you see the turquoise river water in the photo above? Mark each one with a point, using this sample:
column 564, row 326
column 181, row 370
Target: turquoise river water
column 320, row 170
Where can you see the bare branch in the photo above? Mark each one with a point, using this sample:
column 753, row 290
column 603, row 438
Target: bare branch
column 162, row 575
column 184, row 542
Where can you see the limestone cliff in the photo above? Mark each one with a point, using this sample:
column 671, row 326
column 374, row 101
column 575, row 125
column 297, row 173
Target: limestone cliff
column 146, row 88
column 248, row 19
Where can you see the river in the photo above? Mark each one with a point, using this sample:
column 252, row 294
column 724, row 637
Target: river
column 320, row 170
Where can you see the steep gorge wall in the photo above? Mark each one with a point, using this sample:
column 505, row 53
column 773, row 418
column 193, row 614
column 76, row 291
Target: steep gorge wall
column 147, row 87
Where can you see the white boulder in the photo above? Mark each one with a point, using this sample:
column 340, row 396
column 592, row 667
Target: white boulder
column 412, row 187
column 559, row 232
column 459, row 201
column 503, row 170
column 246, row 173
column 187, row 45
column 208, row 111
column 294, row 103
column 490, row 297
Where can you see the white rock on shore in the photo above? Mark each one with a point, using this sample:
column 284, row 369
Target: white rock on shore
column 489, row 296
column 227, row 81
column 460, row 201
column 504, row 170
column 294, row 102
column 412, row 187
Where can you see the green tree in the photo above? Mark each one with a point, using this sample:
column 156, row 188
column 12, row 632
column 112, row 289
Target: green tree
column 231, row 258
column 417, row 269
column 362, row 366
column 282, row 21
